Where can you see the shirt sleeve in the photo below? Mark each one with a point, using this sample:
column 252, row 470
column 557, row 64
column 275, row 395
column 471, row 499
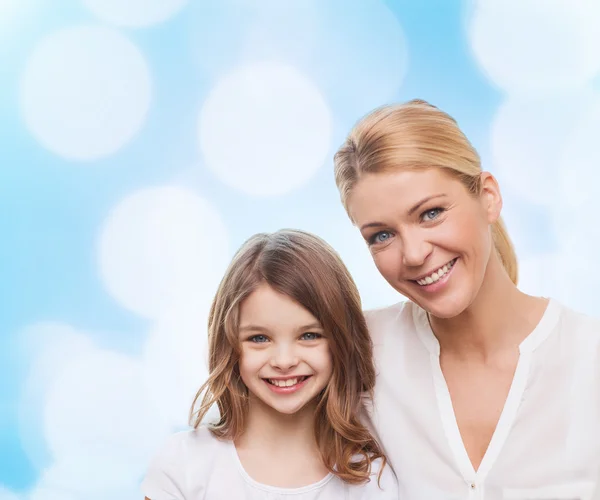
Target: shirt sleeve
column 165, row 474
column 368, row 417
column 384, row 489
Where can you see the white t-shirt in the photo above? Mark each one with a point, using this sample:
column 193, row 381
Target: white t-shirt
column 194, row 465
column 547, row 442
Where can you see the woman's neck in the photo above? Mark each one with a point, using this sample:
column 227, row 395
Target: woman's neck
column 500, row 317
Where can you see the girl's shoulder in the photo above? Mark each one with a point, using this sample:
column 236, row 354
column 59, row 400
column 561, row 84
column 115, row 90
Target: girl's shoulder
column 173, row 470
column 190, row 444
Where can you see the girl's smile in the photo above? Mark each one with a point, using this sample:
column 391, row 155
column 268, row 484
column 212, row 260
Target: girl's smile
column 285, row 361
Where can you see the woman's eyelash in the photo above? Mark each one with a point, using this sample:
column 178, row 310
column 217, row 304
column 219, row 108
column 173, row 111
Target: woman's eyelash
column 426, row 216
column 434, row 213
column 373, row 239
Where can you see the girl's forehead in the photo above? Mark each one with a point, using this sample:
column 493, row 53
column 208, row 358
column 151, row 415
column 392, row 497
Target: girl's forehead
column 269, row 310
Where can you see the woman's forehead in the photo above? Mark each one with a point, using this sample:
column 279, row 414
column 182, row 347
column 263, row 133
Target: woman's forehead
column 399, row 190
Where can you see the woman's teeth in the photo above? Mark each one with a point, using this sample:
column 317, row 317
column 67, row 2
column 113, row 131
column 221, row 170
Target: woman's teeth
column 436, row 275
column 286, row 383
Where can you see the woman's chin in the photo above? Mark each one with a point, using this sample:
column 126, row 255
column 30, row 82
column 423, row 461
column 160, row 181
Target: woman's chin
column 443, row 307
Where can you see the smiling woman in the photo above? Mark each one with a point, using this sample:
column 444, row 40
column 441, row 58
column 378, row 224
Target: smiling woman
column 290, row 366
column 468, row 364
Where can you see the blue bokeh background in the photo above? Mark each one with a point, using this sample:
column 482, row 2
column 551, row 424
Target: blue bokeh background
column 142, row 142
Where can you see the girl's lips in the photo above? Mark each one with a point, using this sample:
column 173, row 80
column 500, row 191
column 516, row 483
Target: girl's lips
column 287, row 389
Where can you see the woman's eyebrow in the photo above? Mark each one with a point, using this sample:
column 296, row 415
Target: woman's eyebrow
column 425, row 200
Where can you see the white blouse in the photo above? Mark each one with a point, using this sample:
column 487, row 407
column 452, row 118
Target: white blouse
column 194, row 465
column 547, row 442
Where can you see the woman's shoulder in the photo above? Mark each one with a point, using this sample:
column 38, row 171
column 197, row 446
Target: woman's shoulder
column 577, row 324
column 394, row 317
column 382, row 483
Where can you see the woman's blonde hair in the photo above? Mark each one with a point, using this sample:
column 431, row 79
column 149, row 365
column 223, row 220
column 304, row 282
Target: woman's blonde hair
column 306, row 269
column 415, row 135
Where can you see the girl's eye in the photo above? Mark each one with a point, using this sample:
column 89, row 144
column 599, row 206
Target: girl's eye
column 380, row 237
column 432, row 214
column 258, row 339
column 311, row 336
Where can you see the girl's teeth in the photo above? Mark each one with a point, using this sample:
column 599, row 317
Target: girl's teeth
column 284, row 383
column 435, row 276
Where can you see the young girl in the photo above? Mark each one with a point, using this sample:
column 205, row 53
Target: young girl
column 290, row 364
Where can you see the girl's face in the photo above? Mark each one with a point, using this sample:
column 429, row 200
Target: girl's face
column 429, row 237
column 285, row 359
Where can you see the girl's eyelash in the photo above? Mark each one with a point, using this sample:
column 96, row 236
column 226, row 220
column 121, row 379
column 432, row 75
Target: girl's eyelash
column 261, row 339
column 316, row 334
column 255, row 337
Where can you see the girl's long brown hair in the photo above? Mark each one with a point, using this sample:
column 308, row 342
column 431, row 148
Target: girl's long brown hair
column 306, row 269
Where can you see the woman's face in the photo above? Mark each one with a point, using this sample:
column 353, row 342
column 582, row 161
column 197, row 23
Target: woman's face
column 429, row 237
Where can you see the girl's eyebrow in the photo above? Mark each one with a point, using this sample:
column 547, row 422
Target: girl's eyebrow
column 253, row 328
column 256, row 328
column 311, row 326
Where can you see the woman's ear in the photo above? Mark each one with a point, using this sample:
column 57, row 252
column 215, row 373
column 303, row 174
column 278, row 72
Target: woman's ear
column 491, row 198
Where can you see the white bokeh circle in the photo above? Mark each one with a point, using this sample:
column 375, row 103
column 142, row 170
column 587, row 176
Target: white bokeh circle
column 175, row 362
column 135, row 13
column 85, row 92
column 534, row 277
column 527, row 137
column 580, row 160
column 534, row 47
column 7, row 494
column 355, row 52
column 163, row 246
column 98, row 419
column 569, row 274
column 360, row 54
column 50, row 492
column 563, row 276
column 56, row 483
column 265, row 129
column 7, row 7
column 47, row 347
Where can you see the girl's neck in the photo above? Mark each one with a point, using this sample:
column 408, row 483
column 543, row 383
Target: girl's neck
column 280, row 450
column 500, row 317
column 268, row 428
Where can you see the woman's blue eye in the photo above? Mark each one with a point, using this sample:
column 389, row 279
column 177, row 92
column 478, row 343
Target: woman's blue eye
column 432, row 214
column 258, row 339
column 311, row 336
column 380, row 237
